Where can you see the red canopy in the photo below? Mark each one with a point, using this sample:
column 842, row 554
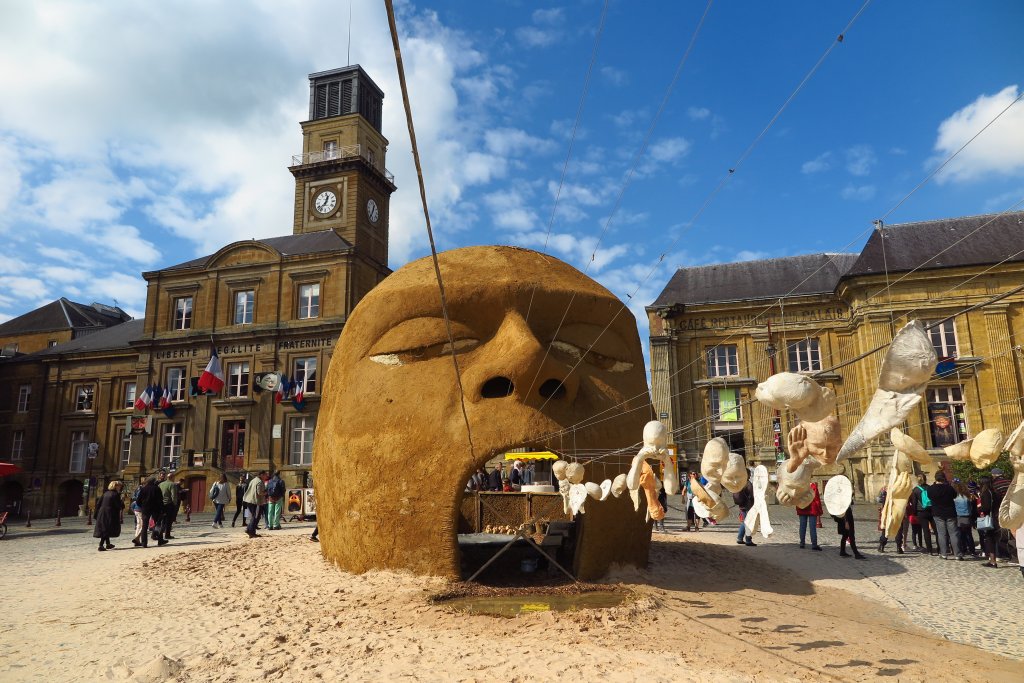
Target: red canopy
column 8, row 468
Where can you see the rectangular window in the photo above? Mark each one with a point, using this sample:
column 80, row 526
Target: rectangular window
column 947, row 415
column 83, row 398
column 79, row 449
column 305, row 374
column 722, row 361
column 124, row 442
column 944, row 340
column 170, row 445
column 177, row 383
column 309, row 301
column 238, row 379
column 24, row 396
column 51, row 343
column 17, row 445
column 182, row 313
column 129, row 395
column 804, row 356
column 302, row 440
column 330, row 149
column 725, row 405
column 244, row 304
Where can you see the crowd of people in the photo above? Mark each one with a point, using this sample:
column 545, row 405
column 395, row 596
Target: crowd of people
column 155, row 504
column 518, row 475
column 950, row 514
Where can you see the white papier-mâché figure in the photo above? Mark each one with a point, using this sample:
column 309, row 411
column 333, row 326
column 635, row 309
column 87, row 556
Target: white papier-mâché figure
column 641, row 476
column 801, row 394
column 906, row 369
column 900, row 486
column 758, row 513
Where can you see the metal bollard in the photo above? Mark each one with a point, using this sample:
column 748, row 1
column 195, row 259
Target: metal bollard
column 28, row 524
column 58, row 517
column 188, row 513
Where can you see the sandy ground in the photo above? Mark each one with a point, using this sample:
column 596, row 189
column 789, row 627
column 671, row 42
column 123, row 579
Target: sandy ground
column 230, row 609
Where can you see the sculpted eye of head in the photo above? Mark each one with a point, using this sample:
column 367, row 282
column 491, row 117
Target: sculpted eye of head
column 606, row 349
column 421, row 339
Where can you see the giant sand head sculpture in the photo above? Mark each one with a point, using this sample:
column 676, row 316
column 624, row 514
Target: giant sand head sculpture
column 392, row 454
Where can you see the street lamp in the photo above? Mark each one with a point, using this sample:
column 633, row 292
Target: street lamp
column 93, row 450
column 771, row 350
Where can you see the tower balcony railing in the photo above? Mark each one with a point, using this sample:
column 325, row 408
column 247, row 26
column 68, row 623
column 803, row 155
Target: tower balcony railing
column 347, row 152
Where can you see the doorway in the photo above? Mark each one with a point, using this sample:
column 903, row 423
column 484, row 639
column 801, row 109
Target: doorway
column 10, row 498
column 232, row 444
column 69, row 497
column 197, row 493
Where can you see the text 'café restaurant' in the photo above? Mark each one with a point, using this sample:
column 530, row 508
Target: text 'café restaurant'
column 272, row 308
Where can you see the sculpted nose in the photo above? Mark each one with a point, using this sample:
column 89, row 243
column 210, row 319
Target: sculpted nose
column 518, row 366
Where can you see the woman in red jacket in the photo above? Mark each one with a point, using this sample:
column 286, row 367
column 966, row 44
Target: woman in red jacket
column 809, row 518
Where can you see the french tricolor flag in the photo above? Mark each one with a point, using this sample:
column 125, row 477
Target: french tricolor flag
column 212, row 379
column 299, row 400
column 282, row 389
column 144, row 400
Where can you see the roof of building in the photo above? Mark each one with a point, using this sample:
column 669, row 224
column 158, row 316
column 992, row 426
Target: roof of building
column 749, row 280
column 64, row 314
column 286, row 245
column 944, row 243
column 112, row 338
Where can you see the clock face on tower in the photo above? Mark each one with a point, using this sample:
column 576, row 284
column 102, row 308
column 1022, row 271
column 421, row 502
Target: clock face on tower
column 372, row 212
column 325, row 202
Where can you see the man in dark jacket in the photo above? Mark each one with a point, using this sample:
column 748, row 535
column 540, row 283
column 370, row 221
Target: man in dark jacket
column 151, row 503
column 744, row 500
column 495, row 478
column 941, row 495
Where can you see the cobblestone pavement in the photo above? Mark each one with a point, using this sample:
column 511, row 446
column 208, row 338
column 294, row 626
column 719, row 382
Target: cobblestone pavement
column 961, row 601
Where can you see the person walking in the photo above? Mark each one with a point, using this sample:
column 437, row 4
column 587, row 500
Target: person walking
column 744, row 500
column 965, row 513
column 921, row 516
column 809, row 519
column 495, row 478
column 108, row 515
column 151, row 503
column 847, row 534
column 220, row 494
column 239, row 494
column 942, row 495
column 988, row 520
column 140, row 530
column 255, row 494
column 275, row 500
column 169, row 491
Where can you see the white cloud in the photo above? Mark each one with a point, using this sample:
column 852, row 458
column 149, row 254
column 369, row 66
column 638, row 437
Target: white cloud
column 548, row 17
column 669, row 150
column 1011, row 200
column 999, row 151
column 515, row 142
column 860, row 159
column 820, row 163
column 858, row 192
column 575, row 249
column 63, row 255
column 533, row 36
column 508, row 210
column 578, row 194
column 698, row 113
column 129, row 291
column 63, row 274
column 14, row 287
column 10, row 175
column 616, row 77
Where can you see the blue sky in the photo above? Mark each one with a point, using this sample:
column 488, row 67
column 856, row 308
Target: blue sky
column 139, row 135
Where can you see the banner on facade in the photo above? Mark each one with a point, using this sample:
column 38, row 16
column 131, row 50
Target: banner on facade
column 140, row 424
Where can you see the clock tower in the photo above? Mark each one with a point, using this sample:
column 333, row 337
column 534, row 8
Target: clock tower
column 341, row 182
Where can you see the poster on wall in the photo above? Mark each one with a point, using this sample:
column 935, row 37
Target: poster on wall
column 293, row 502
column 309, row 502
column 941, row 419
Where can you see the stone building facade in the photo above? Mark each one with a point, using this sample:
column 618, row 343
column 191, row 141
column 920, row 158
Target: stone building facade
column 716, row 331
column 273, row 305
